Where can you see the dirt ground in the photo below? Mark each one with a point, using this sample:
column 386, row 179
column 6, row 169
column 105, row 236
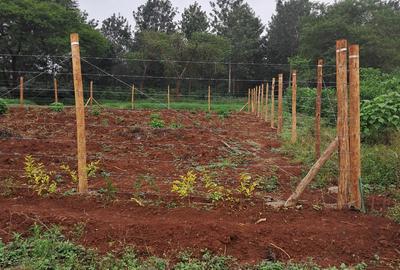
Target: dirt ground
column 130, row 150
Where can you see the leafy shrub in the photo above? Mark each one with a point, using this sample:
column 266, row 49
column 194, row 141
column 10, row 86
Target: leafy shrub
column 246, row 184
column 185, row 186
column 381, row 165
column 91, row 170
column 374, row 83
column 110, row 191
column 56, row 107
column 394, row 213
column 3, row 107
column 215, row 192
column 380, row 116
column 38, row 177
column 306, row 98
column 156, row 121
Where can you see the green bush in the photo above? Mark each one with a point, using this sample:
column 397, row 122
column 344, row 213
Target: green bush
column 394, row 213
column 3, row 107
column 56, row 107
column 381, row 166
column 380, row 116
column 374, row 83
column 306, row 98
column 156, row 121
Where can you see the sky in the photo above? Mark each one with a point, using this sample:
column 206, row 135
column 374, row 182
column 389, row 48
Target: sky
column 102, row 9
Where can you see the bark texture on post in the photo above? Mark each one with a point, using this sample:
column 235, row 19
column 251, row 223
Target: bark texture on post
column 266, row 101
column 354, row 127
column 318, row 109
column 342, row 122
column 80, row 114
column 280, row 103
column 273, row 103
column 294, row 108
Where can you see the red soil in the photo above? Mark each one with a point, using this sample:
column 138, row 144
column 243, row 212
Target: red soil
column 129, row 149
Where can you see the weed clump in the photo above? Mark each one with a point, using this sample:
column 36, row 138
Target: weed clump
column 3, row 107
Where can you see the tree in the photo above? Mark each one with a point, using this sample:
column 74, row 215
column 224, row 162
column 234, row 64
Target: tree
column 236, row 21
column 118, row 31
column 283, row 35
column 194, row 19
column 374, row 24
column 41, row 29
column 155, row 15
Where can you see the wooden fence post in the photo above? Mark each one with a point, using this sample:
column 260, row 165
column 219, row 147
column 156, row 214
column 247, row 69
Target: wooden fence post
column 280, row 105
column 21, row 92
column 318, row 109
column 133, row 97
column 55, row 90
column 294, row 108
column 266, row 101
column 262, row 101
column 354, row 127
column 254, row 101
column 168, row 98
column 91, row 93
column 209, row 98
column 342, row 122
column 248, row 101
column 80, row 114
column 273, row 103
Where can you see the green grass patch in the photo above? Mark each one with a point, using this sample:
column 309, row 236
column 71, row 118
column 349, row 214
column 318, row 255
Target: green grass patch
column 50, row 249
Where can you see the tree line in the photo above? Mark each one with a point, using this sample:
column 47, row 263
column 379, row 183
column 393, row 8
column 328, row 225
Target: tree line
column 229, row 48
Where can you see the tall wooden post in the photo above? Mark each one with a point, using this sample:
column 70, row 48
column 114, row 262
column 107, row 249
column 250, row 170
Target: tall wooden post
column 273, row 103
column 80, row 114
column 318, row 109
column 168, row 98
column 91, row 93
column 209, row 98
column 253, row 101
column 280, row 105
column 262, row 101
column 55, row 90
column 266, row 101
column 294, row 108
column 248, row 101
column 133, row 97
column 21, row 92
column 342, row 122
column 354, row 126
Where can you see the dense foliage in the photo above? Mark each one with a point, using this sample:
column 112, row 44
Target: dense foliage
column 3, row 107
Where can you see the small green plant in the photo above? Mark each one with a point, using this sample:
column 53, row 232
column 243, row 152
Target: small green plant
column 110, row 191
column 185, row 186
column 56, row 107
column 7, row 187
column 38, row 178
column 394, row 213
column 91, row 170
column 3, row 107
column 223, row 114
column 156, row 121
column 268, row 184
column 175, row 125
column 95, row 110
column 215, row 192
column 246, row 184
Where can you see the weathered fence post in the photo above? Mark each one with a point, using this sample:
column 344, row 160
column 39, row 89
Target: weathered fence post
column 80, row 114
column 248, row 101
column 21, row 92
column 133, row 97
column 262, row 101
column 91, row 93
column 294, row 108
column 168, row 98
column 55, row 90
column 342, row 122
column 273, row 103
column 209, row 98
column 266, row 101
column 280, row 105
column 354, row 126
column 318, row 109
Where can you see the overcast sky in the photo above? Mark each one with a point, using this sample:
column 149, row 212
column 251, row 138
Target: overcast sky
column 101, row 9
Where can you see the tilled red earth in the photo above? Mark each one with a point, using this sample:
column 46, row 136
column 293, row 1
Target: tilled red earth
column 129, row 149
